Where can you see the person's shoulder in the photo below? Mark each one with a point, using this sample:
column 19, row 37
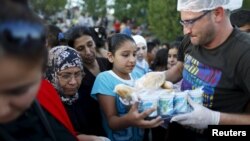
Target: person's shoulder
column 47, row 94
column 242, row 37
column 103, row 74
column 46, row 89
column 238, row 43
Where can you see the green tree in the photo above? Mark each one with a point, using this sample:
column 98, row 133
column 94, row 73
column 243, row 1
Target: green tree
column 47, row 7
column 246, row 4
column 133, row 9
column 96, row 8
column 163, row 19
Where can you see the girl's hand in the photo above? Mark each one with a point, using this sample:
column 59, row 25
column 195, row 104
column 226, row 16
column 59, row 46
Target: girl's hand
column 138, row 119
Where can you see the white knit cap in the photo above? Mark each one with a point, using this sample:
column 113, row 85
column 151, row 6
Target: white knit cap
column 203, row 5
column 139, row 39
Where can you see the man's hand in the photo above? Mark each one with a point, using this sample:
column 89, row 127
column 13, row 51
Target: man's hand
column 199, row 118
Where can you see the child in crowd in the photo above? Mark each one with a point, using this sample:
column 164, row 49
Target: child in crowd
column 160, row 62
column 172, row 60
column 172, row 54
column 120, row 122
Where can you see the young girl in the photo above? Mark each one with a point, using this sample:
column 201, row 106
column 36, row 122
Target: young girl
column 172, row 60
column 120, row 122
column 160, row 62
column 172, row 54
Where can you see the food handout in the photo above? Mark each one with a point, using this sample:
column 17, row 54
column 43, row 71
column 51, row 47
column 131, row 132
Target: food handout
column 152, row 90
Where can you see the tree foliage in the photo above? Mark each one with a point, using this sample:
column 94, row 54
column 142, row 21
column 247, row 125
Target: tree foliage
column 163, row 19
column 246, row 4
column 47, row 7
column 95, row 8
column 133, row 9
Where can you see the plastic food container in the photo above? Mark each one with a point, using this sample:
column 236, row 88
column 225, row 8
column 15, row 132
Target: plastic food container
column 166, row 105
column 180, row 103
column 147, row 103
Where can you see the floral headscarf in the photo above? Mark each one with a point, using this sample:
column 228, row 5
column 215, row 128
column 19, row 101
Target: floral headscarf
column 61, row 58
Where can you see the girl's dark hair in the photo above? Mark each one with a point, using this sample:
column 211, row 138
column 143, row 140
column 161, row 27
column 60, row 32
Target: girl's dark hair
column 175, row 44
column 161, row 60
column 52, row 33
column 151, row 46
column 30, row 44
column 76, row 32
column 115, row 41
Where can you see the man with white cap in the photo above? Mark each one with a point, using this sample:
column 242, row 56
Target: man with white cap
column 141, row 66
column 216, row 56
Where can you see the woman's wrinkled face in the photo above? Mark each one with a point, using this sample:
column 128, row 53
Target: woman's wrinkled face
column 70, row 80
column 85, row 45
column 19, row 84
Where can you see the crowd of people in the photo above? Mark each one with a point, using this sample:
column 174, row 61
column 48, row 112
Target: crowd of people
column 59, row 86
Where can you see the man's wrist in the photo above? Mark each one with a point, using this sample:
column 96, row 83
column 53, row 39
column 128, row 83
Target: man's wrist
column 216, row 118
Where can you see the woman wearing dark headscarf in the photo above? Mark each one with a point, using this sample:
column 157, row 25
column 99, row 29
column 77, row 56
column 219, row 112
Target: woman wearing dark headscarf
column 64, row 64
column 65, row 72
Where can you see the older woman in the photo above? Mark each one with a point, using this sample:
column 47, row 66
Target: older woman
column 65, row 72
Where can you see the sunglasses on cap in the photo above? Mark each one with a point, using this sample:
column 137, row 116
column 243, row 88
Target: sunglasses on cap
column 21, row 35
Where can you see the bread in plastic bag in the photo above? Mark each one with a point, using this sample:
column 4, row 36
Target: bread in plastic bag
column 151, row 80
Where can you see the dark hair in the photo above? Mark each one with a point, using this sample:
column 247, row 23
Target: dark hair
column 161, row 60
column 175, row 44
column 151, row 46
column 22, row 33
column 240, row 17
column 115, row 41
column 156, row 41
column 52, row 34
column 99, row 36
column 166, row 44
column 76, row 32
column 179, row 38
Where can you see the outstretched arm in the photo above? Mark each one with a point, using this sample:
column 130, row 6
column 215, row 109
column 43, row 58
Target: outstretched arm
column 237, row 119
column 201, row 117
column 132, row 118
column 175, row 73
